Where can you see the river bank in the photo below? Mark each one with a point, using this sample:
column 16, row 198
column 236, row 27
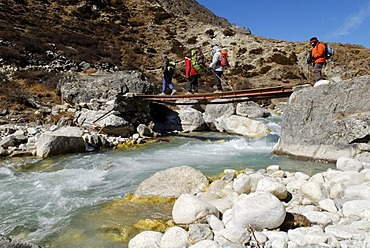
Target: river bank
column 265, row 208
column 44, row 199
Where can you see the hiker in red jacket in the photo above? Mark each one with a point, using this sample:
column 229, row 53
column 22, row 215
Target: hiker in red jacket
column 192, row 75
column 318, row 57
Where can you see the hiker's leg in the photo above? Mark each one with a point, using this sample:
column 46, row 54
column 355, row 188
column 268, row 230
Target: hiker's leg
column 218, row 79
column 190, row 83
column 164, row 83
column 169, row 83
column 195, row 83
column 317, row 71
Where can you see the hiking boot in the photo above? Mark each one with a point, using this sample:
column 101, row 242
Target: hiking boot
column 173, row 92
column 188, row 93
column 162, row 94
column 218, row 91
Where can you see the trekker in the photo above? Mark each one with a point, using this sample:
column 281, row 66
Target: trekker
column 317, row 57
column 216, row 67
column 192, row 75
column 168, row 72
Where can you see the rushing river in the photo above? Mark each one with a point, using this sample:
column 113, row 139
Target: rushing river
column 55, row 202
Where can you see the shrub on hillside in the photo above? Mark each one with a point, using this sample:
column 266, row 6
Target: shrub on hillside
column 160, row 17
column 210, row 33
column 256, row 51
column 192, row 40
column 291, row 75
column 229, row 32
column 85, row 12
column 10, row 55
column 243, row 85
column 177, row 48
column 281, row 59
column 242, row 50
column 265, row 69
column 30, row 77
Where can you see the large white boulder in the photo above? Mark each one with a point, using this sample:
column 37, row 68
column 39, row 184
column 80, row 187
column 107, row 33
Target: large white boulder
column 349, row 164
column 242, row 125
column 146, row 239
column 313, row 191
column 189, row 208
column 272, row 186
column 260, row 210
column 174, row 237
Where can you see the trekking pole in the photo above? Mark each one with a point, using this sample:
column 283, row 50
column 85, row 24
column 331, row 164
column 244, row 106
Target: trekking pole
column 228, row 85
column 104, row 115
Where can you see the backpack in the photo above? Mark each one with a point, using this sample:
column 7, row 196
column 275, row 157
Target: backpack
column 329, row 51
column 224, row 61
column 197, row 60
column 172, row 66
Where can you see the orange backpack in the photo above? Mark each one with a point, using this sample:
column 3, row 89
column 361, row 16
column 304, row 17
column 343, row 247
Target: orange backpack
column 224, row 61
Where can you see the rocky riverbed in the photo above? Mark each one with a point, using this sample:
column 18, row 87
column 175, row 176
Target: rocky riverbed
column 265, row 208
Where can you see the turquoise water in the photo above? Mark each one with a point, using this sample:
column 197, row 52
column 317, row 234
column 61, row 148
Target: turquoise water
column 41, row 198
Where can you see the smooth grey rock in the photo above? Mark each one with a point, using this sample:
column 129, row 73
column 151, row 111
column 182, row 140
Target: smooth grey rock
column 214, row 111
column 62, row 141
column 328, row 121
column 173, row 182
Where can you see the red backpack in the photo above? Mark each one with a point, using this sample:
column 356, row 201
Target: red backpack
column 224, row 61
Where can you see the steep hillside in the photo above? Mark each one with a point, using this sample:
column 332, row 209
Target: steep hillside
column 40, row 40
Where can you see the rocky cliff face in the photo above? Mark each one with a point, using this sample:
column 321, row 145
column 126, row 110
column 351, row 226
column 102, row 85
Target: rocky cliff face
column 328, row 121
column 42, row 40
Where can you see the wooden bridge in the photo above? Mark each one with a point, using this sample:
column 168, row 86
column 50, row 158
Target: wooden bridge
column 224, row 97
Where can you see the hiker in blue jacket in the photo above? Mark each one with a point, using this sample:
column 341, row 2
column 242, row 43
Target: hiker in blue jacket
column 216, row 67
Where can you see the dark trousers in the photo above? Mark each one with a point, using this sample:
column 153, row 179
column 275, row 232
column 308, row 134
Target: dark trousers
column 317, row 70
column 218, row 75
column 193, row 83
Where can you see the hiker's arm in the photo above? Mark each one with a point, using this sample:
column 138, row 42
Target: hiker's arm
column 318, row 51
column 187, row 67
column 214, row 62
column 166, row 64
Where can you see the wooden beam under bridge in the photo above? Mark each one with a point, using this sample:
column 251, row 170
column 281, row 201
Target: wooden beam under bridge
column 227, row 96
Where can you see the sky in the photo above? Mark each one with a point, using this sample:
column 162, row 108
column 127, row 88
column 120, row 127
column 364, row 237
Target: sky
column 338, row 21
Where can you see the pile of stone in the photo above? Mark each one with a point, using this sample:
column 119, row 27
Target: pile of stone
column 265, row 208
column 46, row 141
column 91, row 119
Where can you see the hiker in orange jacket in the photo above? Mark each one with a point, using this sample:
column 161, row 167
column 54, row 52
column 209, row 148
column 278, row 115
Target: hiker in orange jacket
column 318, row 57
column 191, row 74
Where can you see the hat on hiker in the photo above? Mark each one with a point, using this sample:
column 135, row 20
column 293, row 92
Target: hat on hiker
column 313, row 40
column 164, row 56
column 215, row 49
